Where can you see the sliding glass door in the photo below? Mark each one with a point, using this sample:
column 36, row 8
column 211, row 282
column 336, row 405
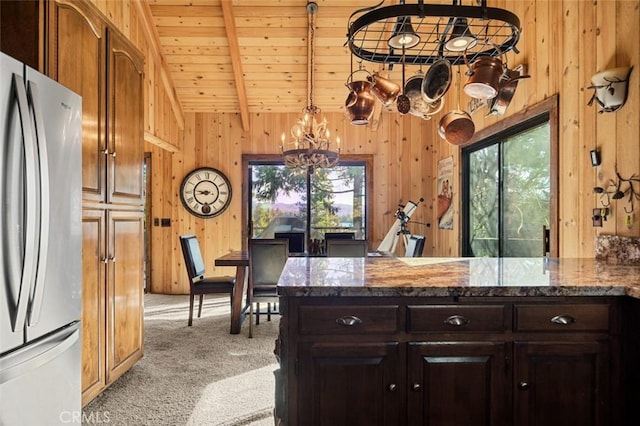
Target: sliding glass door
column 329, row 200
column 507, row 193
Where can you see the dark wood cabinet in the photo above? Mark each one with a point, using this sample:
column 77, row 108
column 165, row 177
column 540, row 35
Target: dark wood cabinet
column 445, row 361
column 349, row 384
column 562, row 383
column 457, row 383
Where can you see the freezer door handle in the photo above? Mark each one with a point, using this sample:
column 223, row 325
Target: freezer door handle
column 29, row 226
column 43, row 184
column 17, row 364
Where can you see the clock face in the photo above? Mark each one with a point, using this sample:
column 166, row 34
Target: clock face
column 205, row 192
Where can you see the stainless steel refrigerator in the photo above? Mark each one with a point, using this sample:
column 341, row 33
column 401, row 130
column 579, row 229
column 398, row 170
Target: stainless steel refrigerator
column 40, row 248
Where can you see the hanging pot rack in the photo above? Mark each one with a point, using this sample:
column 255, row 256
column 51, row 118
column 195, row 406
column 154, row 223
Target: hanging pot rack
column 497, row 31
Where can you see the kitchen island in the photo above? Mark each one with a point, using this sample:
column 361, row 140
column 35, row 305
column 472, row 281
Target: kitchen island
column 457, row 341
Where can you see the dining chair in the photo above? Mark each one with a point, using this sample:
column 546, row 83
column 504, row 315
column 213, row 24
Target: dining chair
column 198, row 283
column 415, row 246
column 296, row 241
column 346, row 248
column 267, row 258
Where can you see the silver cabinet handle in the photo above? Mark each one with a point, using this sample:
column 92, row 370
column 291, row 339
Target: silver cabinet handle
column 349, row 321
column 456, row 320
column 523, row 385
column 392, row 387
column 416, row 387
column 563, row 319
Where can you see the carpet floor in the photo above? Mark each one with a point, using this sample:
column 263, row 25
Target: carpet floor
column 199, row 375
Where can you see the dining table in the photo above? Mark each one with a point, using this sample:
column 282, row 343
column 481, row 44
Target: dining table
column 239, row 260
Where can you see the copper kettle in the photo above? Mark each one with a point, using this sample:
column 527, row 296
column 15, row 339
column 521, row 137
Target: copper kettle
column 484, row 76
column 384, row 89
column 360, row 102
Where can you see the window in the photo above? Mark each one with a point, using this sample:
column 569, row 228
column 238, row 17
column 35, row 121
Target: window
column 329, row 200
column 508, row 179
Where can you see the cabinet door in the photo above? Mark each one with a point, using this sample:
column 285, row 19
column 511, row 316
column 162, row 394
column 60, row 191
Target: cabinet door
column 124, row 291
column 125, row 133
column 561, row 384
column 94, row 377
column 349, row 384
column 77, row 45
column 457, row 383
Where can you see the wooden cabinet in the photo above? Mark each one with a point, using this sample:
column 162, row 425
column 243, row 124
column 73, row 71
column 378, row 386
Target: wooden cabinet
column 124, row 340
column 560, row 383
column 563, row 376
column 94, row 375
column 78, row 46
column 445, row 361
column 350, row 384
column 89, row 56
column 112, row 321
column 457, row 383
column 124, row 152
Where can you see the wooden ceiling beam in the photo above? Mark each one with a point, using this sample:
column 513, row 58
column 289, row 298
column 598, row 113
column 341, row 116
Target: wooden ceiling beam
column 234, row 52
column 156, row 48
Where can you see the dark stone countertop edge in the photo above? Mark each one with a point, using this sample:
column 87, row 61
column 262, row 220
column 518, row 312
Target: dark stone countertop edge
column 427, row 291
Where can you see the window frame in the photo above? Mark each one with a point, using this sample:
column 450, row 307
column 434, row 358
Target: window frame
column 529, row 117
column 267, row 159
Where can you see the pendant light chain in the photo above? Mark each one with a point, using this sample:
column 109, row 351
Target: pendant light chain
column 311, row 9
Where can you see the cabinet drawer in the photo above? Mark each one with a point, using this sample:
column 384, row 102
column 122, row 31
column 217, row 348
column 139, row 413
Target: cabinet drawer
column 447, row 318
column 348, row 319
column 562, row 317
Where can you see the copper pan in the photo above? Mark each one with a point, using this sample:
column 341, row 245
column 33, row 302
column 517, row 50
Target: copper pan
column 456, row 127
column 506, row 91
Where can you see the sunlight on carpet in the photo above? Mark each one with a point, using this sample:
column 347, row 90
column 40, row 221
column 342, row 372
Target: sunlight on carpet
column 253, row 389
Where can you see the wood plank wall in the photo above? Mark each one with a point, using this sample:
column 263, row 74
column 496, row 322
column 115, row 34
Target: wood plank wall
column 563, row 44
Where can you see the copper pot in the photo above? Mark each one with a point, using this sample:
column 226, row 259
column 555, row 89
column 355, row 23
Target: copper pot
column 384, row 89
column 360, row 102
column 484, row 78
column 456, row 127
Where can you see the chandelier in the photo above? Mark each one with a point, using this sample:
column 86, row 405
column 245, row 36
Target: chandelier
column 309, row 146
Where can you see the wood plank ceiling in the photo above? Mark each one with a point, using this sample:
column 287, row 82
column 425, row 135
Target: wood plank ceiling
column 251, row 55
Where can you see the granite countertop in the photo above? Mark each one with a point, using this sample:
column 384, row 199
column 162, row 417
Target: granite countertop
column 436, row 276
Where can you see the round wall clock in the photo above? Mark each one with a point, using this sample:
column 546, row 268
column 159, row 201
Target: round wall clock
column 205, row 192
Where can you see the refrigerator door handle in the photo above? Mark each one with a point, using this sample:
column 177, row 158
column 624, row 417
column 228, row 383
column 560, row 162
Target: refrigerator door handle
column 43, row 181
column 16, row 365
column 29, row 226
